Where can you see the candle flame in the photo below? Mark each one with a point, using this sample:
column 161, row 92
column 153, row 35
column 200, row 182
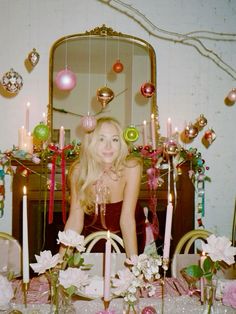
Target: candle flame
column 144, row 122
column 24, row 190
column 152, row 116
column 170, row 198
column 28, row 104
column 108, row 234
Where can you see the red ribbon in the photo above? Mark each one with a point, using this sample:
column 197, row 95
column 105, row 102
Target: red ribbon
column 58, row 152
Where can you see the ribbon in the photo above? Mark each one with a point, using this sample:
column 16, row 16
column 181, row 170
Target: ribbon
column 58, row 153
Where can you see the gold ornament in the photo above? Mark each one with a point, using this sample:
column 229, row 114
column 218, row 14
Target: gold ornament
column 191, row 131
column 171, row 148
column 33, row 57
column 104, row 95
column 202, row 121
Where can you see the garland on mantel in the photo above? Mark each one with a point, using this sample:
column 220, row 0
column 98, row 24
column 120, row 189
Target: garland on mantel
column 154, row 161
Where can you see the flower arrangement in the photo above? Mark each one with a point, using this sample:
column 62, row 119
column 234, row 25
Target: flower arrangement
column 139, row 275
column 67, row 273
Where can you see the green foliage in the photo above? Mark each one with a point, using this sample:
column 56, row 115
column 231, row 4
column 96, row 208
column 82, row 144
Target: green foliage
column 194, row 271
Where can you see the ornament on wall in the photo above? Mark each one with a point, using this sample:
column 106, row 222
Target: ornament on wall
column 147, row 89
column 208, row 137
column 65, row 80
column 201, row 121
column 105, row 95
column 12, row 81
column 41, row 132
column 88, row 123
column 131, row 134
column 118, row 66
column 191, row 131
column 232, row 95
column 33, row 57
column 171, row 147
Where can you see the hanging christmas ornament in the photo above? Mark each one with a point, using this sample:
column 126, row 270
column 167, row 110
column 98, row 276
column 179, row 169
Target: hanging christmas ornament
column 171, row 147
column 202, row 121
column 232, row 95
column 104, row 95
column 149, row 310
column 65, row 80
column 88, row 123
column 33, row 57
column 210, row 136
column 41, row 132
column 147, row 90
column 118, row 66
column 191, row 131
column 12, row 81
column 131, row 134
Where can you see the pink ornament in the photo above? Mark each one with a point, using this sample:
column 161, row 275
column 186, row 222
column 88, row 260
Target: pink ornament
column 147, row 90
column 118, row 66
column 65, row 80
column 88, row 123
column 232, row 95
column 149, row 310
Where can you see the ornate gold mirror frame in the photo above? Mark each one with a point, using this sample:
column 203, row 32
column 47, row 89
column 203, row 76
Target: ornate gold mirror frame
column 91, row 56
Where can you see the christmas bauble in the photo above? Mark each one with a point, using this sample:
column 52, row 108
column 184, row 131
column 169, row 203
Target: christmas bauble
column 202, row 121
column 147, row 90
column 88, row 123
column 118, row 66
column 33, row 57
column 149, row 310
column 171, row 148
column 191, row 131
column 232, row 95
column 65, row 80
column 12, row 81
column 41, row 132
column 104, row 95
column 131, row 134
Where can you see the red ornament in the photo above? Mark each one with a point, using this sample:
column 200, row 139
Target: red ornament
column 210, row 136
column 149, row 310
column 147, row 90
column 88, row 123
column 118, row 66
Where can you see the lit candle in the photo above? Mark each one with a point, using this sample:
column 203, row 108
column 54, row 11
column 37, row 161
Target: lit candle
column 202, row 259
column 62, row 137
column 107, row 276
column 21, row 137
column 145, row 133
column 167, row 238
column 44, row 118
column 25, row 246
column 169, row 128
column 27, row 116
column 153, row 131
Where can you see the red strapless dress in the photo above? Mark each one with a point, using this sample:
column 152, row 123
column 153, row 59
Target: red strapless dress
column 111, row 221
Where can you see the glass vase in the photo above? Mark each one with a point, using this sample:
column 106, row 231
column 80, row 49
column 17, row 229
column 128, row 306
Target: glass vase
column 66, row 305
column 131, row 307
column 54, row 292
column 209, row 298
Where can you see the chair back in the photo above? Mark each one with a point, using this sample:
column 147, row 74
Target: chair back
column 10, row 258
column 181, row 256
column 94, row 237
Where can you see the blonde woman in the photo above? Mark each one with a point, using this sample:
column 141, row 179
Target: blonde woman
column 104, row 187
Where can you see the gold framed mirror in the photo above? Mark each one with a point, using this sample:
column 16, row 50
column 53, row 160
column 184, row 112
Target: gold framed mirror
column 93, row 56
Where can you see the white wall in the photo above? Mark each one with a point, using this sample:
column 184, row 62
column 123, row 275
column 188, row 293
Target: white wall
column 188, row 84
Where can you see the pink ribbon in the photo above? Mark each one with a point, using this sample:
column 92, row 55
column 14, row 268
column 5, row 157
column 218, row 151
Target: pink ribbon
column 58, row 153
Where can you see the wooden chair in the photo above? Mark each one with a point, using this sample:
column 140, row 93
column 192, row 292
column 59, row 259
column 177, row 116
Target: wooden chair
column 10, row 257
column 181, row 256
column 97, row 259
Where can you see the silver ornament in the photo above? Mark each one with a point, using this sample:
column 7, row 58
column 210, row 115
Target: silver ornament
column 12, row 81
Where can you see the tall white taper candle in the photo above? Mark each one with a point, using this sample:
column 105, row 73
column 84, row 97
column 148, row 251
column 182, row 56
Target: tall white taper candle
column 25, row 258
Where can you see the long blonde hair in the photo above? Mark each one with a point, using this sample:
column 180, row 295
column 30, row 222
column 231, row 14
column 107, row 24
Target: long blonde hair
column 89, row 166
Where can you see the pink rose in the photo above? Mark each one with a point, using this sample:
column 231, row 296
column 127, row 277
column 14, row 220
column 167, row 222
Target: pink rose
column 229, row 294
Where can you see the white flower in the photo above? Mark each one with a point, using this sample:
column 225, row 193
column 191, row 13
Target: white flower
column 6, row 291
column 73, row 277
column 123, row 282
column 45, row 261
column 219, row 249
column 72, row 239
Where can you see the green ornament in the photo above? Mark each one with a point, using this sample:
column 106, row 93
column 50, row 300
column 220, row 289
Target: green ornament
column 131, row 134
column 41, row 132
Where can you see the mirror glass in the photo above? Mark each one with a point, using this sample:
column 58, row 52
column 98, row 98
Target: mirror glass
column 93, row 57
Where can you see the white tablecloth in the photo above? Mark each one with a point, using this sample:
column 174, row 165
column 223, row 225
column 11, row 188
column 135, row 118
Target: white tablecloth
column 172, row 305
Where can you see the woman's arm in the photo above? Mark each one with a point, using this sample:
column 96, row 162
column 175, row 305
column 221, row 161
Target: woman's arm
column 133, row 175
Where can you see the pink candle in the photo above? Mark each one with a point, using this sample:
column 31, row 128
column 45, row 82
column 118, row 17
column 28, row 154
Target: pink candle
column 145, row 142
column 107, row 276
column 62, row 138
column 153, row 131
column 21, row 138
column 202, row 259
column 27, row 117
column 169, row 128
column 167, row 238
column 25, row 245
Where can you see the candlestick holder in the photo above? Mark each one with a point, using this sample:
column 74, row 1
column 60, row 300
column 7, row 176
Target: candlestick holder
column 25, row 288
column 165, row 265
column 106, row 304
